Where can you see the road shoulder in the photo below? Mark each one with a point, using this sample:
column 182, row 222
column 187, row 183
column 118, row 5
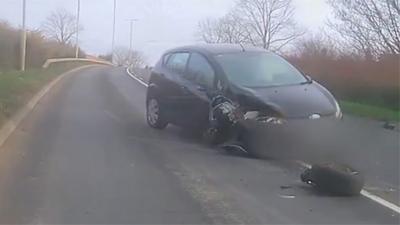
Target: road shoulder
column 9, row 127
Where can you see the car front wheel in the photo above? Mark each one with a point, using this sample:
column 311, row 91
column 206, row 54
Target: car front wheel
column 154, row 114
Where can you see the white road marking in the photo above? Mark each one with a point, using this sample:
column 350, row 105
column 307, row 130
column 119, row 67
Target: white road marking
column 134, row 77
column 363, row 192
column 380, row 200
column 366, row 194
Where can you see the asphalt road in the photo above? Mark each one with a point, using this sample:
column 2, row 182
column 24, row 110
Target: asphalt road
column 85, row 155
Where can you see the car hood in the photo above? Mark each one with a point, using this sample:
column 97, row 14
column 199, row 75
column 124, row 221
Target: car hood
column 294, row 101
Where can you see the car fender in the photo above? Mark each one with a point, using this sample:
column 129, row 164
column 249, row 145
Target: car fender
column 153, row 90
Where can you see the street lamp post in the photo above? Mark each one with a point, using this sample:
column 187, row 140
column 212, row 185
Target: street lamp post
column 23, row 36
column 77, row 29
column 131, row 40
column 113, row 33
column 131, row 34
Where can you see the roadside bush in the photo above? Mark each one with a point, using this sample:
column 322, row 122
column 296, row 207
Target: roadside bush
column 8, row 46
column 353, row 78
column 38, row 48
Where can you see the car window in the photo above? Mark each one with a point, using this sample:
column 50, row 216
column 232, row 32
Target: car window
column 177, row 61
column 200, row 71
column 165, row 59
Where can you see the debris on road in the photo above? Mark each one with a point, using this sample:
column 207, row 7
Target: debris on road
column 287, row 196
column 389, row 126
column 334, row 179
column 283, row 187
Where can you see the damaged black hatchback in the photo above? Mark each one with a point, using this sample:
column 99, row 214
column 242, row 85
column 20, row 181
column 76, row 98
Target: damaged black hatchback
column 260, row 83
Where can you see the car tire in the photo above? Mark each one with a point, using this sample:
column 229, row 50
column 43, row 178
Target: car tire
column 214, row 136
column 210, row 136
column 334, row 179
column 155, row 114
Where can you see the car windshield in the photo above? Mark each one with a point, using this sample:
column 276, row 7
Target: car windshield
column 259, row 70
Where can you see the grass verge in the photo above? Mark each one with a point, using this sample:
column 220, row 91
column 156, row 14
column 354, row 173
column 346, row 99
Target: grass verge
column 370, row 111
column 17, row 88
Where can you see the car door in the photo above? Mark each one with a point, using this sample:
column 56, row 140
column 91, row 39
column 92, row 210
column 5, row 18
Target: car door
column 201, row 77
column 177, row 96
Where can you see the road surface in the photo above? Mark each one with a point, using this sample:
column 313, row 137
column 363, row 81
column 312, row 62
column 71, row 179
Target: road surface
column 86, row 156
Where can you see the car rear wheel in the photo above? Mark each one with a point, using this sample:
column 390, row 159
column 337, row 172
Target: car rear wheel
column 155, row 115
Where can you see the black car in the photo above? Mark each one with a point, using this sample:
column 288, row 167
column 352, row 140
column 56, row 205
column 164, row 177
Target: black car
column 261, row 83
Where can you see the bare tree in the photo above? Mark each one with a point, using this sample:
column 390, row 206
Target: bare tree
column 369, row 27
column 124, row 57
column 209, row 31
column 60, row 26
column 316, row 46
column 227, row 29
column 270, row 22
column 265, row 23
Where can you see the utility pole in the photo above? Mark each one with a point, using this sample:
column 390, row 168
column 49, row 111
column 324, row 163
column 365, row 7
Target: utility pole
column 23, row 36
column 131, row 39
column 77, row 29
column 113, row 33
column 131, row 34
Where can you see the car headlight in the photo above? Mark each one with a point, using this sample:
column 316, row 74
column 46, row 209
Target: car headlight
column 338, row 113
column 272, row 120
column 256, row 115
column 251, row 115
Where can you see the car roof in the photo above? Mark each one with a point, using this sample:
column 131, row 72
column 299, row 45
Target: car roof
column 216, row 49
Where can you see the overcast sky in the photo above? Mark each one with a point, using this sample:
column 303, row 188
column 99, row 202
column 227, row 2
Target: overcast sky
column 162, row 23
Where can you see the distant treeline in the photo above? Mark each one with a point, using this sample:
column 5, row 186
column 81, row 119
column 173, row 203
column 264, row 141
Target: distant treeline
column 38, row 50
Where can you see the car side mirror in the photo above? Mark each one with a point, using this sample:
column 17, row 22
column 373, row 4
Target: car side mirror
column 309, row 79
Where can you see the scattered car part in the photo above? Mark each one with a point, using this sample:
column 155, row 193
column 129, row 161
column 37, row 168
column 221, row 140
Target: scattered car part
column 333, row 178
column 284, row 187
column 389, row 126
column 288, row 196
column 223, row 116
column 236, row 147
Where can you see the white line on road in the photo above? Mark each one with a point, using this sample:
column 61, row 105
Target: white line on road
column 363, row 192
column 134, row 77
column 381, row 201
column 366, row 194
